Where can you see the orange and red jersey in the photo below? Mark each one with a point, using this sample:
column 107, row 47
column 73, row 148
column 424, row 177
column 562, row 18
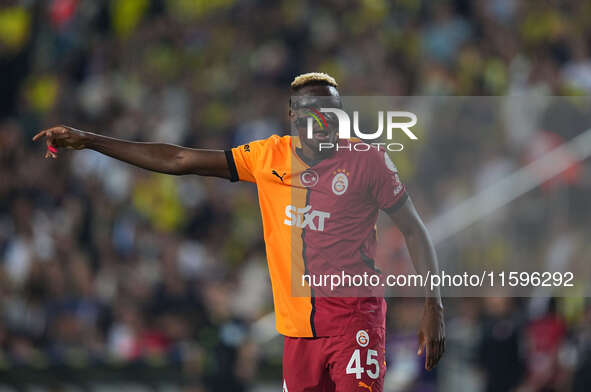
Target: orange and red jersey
column 319, row 219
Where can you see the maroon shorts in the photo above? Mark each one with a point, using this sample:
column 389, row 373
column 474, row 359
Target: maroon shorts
column 353, row 362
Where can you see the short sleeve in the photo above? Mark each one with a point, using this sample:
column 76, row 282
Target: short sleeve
column 244, row 161
column 388, row 191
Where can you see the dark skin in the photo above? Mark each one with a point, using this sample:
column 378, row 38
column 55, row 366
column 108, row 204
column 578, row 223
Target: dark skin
column 325, row 95
column 177, row 160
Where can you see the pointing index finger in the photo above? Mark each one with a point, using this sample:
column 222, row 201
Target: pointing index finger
column 37, row 136
column 49, row 132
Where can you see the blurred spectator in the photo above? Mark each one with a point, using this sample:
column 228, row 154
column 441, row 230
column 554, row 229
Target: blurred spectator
column 500, row 350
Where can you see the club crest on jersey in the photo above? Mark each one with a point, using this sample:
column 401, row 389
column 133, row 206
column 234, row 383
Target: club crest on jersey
column 362, row 338
column 309, row 178
column 340, row 182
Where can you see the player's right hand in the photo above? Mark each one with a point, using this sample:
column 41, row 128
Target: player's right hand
column 61, row 137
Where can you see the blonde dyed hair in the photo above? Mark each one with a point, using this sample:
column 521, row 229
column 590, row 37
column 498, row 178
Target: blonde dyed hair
column 311, row 78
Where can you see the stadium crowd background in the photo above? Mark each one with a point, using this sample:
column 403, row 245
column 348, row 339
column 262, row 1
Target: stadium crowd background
column 104, row 264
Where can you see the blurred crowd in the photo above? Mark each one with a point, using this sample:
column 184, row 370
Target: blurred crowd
column 104, row 263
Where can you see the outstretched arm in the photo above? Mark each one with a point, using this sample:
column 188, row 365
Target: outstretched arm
column 159, row 157
column 422, row 252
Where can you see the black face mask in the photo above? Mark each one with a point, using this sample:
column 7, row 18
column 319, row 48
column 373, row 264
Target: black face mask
column 312, row 102
column 331, row 120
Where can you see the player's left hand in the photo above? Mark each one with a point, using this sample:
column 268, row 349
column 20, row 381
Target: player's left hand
column 432, row 335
